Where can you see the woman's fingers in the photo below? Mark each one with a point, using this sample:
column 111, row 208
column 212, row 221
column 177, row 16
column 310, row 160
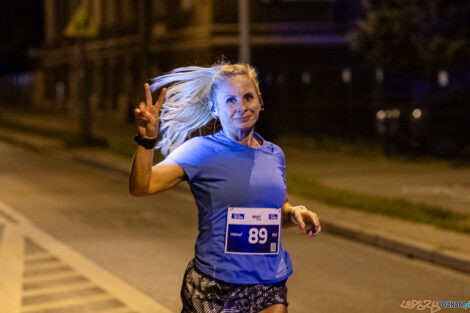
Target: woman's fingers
column 141, row 111
column 149, row 106
column 161, row 99
column 299, row 219
column 309, row 223
column 148, row 95
column 314, row 223
column 138, row 111
column 316, row 220
column 146, row 114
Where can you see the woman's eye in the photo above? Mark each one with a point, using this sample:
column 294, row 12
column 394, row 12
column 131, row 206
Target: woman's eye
column 248, row 97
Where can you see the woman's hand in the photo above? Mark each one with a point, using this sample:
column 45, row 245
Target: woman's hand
column 147, row 114
column 307, row 220
column 144, row 178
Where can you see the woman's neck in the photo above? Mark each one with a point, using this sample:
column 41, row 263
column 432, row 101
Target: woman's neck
column 245, row 138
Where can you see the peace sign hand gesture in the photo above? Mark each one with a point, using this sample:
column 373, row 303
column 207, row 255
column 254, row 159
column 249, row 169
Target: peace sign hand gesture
column 147, row 115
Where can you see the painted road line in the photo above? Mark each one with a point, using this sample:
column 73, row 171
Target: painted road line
column 45, row 279
column 51, row 265
column 56, row 297
column 9, row 219
column 85, row 307
column 11, row 267
column 38, row 257
column 114, row 310
column 122, row 292
column 65, row 304
column 45, row 271
column 54, row 283
column 56, row 289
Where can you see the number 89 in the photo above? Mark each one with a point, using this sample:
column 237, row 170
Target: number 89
column 257, row 236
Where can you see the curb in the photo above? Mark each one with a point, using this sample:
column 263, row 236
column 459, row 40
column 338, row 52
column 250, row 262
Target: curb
column 397, row 245
column 401, row 246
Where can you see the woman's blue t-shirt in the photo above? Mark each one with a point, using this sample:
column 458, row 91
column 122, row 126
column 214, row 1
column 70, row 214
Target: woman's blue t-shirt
column 223, row 173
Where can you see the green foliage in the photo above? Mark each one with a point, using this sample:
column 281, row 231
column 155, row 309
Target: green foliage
column 394, row 207
column 414, row 36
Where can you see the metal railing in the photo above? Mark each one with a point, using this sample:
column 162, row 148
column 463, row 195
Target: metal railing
column 16, row 88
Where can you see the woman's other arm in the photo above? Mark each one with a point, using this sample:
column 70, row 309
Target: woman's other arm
column 305, row 219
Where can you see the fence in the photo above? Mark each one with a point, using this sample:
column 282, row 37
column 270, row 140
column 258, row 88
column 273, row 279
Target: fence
column 16, row 89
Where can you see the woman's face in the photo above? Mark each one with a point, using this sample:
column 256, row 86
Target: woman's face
column 237, row 104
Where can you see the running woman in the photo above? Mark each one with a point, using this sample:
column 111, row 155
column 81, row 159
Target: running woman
column 237, row 179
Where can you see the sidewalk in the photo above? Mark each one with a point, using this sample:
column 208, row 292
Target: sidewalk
column 417, row 240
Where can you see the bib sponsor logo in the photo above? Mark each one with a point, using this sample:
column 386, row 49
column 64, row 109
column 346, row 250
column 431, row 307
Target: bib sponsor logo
column 238, row 216
column 256, row 217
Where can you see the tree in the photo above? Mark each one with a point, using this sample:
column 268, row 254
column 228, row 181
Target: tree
column 414, row 37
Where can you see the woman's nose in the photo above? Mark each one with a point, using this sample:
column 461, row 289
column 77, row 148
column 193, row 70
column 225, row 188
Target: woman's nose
column 241, row 105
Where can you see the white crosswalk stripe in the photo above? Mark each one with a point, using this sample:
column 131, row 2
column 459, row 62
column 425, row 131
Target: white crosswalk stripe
column 39, row 274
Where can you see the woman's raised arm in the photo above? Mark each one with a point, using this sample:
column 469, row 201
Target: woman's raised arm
column 144, row 178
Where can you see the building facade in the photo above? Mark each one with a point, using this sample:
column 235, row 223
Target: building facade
column 298, row 46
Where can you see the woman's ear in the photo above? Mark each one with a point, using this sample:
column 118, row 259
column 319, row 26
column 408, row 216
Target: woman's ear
column 261, row 103
column 213, row 109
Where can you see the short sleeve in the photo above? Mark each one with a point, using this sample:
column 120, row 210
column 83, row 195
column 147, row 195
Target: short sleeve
column 191, row 156
column 277, row 151
column 282, row 161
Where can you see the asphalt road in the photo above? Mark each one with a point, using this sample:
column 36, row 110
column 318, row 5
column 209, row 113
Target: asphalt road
column 147, row 242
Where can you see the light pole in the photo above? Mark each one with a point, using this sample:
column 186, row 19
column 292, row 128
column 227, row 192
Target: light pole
column 81, row 27
column 346, row 77
column 244, row 30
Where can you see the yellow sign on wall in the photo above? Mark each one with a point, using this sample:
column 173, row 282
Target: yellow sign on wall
column 82, row 23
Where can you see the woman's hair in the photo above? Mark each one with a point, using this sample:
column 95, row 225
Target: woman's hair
column 190, row 91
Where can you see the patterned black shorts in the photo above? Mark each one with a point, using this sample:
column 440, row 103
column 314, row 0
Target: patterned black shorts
column 201, row 293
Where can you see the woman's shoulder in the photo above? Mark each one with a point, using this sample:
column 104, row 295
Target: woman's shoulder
column 201, row 142
column 273, row 148
column 198, row 147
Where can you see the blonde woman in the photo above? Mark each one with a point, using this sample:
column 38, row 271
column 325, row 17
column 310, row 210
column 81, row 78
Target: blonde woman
column 237, row 179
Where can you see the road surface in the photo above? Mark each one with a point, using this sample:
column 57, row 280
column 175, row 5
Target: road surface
column 147, row 242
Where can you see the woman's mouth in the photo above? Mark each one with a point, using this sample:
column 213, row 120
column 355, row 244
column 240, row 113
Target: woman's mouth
column 243, row 118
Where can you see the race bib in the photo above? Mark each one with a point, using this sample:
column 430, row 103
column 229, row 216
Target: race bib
column 253, row 231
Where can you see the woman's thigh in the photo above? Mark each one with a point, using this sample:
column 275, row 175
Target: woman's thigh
column 277, row 308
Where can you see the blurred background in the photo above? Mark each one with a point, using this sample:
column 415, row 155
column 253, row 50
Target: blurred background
column 393, row 73
column 369, row 101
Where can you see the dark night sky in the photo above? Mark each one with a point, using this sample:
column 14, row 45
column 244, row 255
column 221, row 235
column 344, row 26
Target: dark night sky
column 21, row 27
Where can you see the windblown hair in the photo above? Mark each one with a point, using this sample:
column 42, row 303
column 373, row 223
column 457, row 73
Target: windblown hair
column 190, row 92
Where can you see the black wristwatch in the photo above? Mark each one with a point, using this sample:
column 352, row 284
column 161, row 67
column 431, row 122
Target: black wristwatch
column 144, row 142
